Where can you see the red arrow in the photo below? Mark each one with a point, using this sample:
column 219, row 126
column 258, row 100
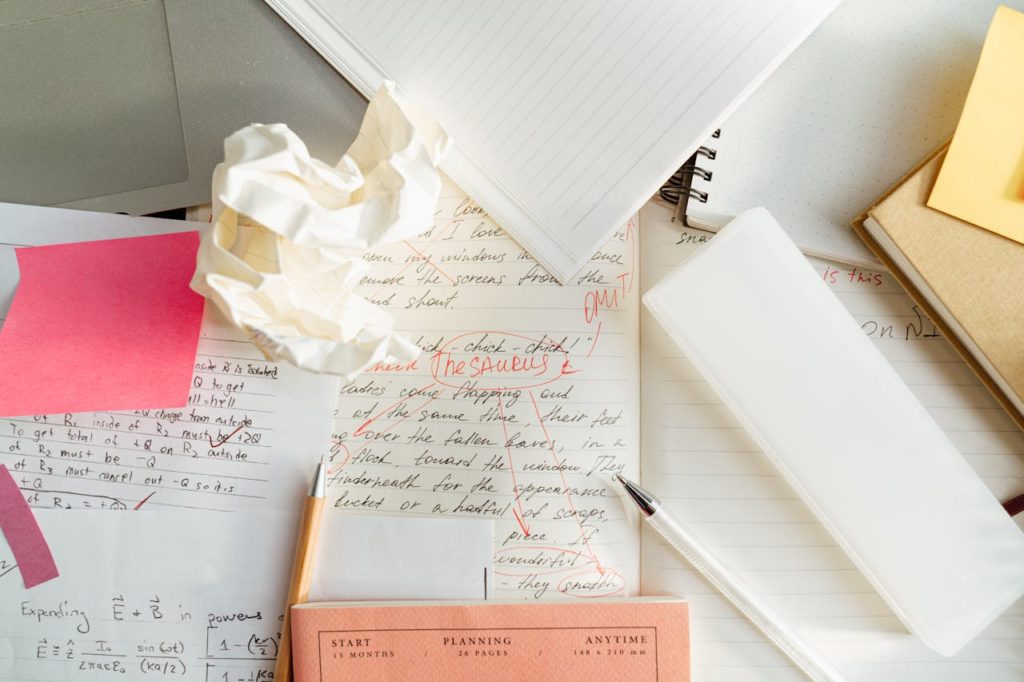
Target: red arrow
column 565, row 485
column 515, row 484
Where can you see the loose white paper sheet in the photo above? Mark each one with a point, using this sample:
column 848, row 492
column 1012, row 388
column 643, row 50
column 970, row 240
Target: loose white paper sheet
column 364, row 558
column 284, row 255
column 197, row 596
column 567, row 115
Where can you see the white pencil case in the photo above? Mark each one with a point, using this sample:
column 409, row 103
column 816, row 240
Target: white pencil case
column 764, row 330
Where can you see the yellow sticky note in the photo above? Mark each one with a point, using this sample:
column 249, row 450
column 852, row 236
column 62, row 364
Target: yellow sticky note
column 982, row 179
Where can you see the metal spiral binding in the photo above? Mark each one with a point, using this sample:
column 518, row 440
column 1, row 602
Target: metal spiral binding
column 679, row 190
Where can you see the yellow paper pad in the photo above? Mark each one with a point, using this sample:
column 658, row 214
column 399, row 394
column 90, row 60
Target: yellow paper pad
column 982, row 179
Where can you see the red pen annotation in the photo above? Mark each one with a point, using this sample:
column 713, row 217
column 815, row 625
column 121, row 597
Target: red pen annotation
column 485, row 357
column 143, row 501
column 245, row 423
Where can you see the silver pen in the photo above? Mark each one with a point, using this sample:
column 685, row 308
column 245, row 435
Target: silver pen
column 742, row 596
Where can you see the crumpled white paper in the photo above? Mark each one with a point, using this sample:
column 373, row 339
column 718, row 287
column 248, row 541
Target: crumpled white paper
column 284, row 254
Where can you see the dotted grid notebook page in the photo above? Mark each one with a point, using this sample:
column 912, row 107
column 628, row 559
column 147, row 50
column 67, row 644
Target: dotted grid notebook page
column 717, row 482
column 869, row 94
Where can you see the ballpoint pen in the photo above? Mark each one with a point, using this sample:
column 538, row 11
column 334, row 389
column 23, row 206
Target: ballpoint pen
column 742, row 596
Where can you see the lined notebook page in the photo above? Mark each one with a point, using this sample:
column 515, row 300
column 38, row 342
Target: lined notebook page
column 566, row 115
column 872, row 92
column 714, row 479
column 521, row 407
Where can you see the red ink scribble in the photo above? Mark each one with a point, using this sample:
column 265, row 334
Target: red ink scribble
column 402, row 419
column 518, row 511
column 143, row 501
column 549, row 554
column 226, row 438
column 430, row 262
column 632, row 252
column 556, row 345
column 493, row 367
column 614, row 296
column 597, row 335
column 587, row 585
column 390, row 407
column 336, row 446
column 426, row 249
column 565, row 484
column 606, row 298
column 522, row 524
column 390, row 367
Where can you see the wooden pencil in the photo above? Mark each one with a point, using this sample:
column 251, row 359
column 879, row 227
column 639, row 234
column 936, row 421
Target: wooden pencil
column 302, row 568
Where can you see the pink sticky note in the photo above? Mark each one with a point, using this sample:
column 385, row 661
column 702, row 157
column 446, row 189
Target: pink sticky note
column 105, row 325
column 18, row 523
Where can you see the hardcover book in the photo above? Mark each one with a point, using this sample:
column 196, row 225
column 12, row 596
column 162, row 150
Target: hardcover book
column 967, row 279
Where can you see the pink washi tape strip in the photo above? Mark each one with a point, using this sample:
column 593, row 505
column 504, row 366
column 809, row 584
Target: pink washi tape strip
column 24, row 537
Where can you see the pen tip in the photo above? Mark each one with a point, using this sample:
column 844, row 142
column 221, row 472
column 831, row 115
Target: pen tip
column 648, row 503
column 319, row 485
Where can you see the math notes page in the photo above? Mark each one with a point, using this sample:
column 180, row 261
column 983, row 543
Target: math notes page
column 248, row 438
column 199, row 597
column 522, row 405
column 566, row 116
column 716, row 481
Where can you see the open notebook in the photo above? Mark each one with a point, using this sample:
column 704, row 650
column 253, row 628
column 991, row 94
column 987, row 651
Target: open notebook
column 566, row 115
column 589, row 387
column 877, row 87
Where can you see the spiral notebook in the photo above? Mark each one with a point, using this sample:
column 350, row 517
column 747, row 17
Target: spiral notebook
column 876, row 88
column 566, row 116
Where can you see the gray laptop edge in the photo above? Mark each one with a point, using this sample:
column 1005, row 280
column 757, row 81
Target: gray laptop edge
column 123, row 105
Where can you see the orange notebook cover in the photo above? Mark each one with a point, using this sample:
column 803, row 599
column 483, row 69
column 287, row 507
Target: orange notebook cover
column 638, row 640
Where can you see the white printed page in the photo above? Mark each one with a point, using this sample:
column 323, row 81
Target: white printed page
column 249, row 438
column 521, row 407
column 199, row 597
column 718, row 484
column 566, row 115
column 180, row 601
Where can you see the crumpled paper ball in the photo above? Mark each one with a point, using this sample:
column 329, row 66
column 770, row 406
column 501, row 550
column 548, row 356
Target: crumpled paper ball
column 284, row 255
